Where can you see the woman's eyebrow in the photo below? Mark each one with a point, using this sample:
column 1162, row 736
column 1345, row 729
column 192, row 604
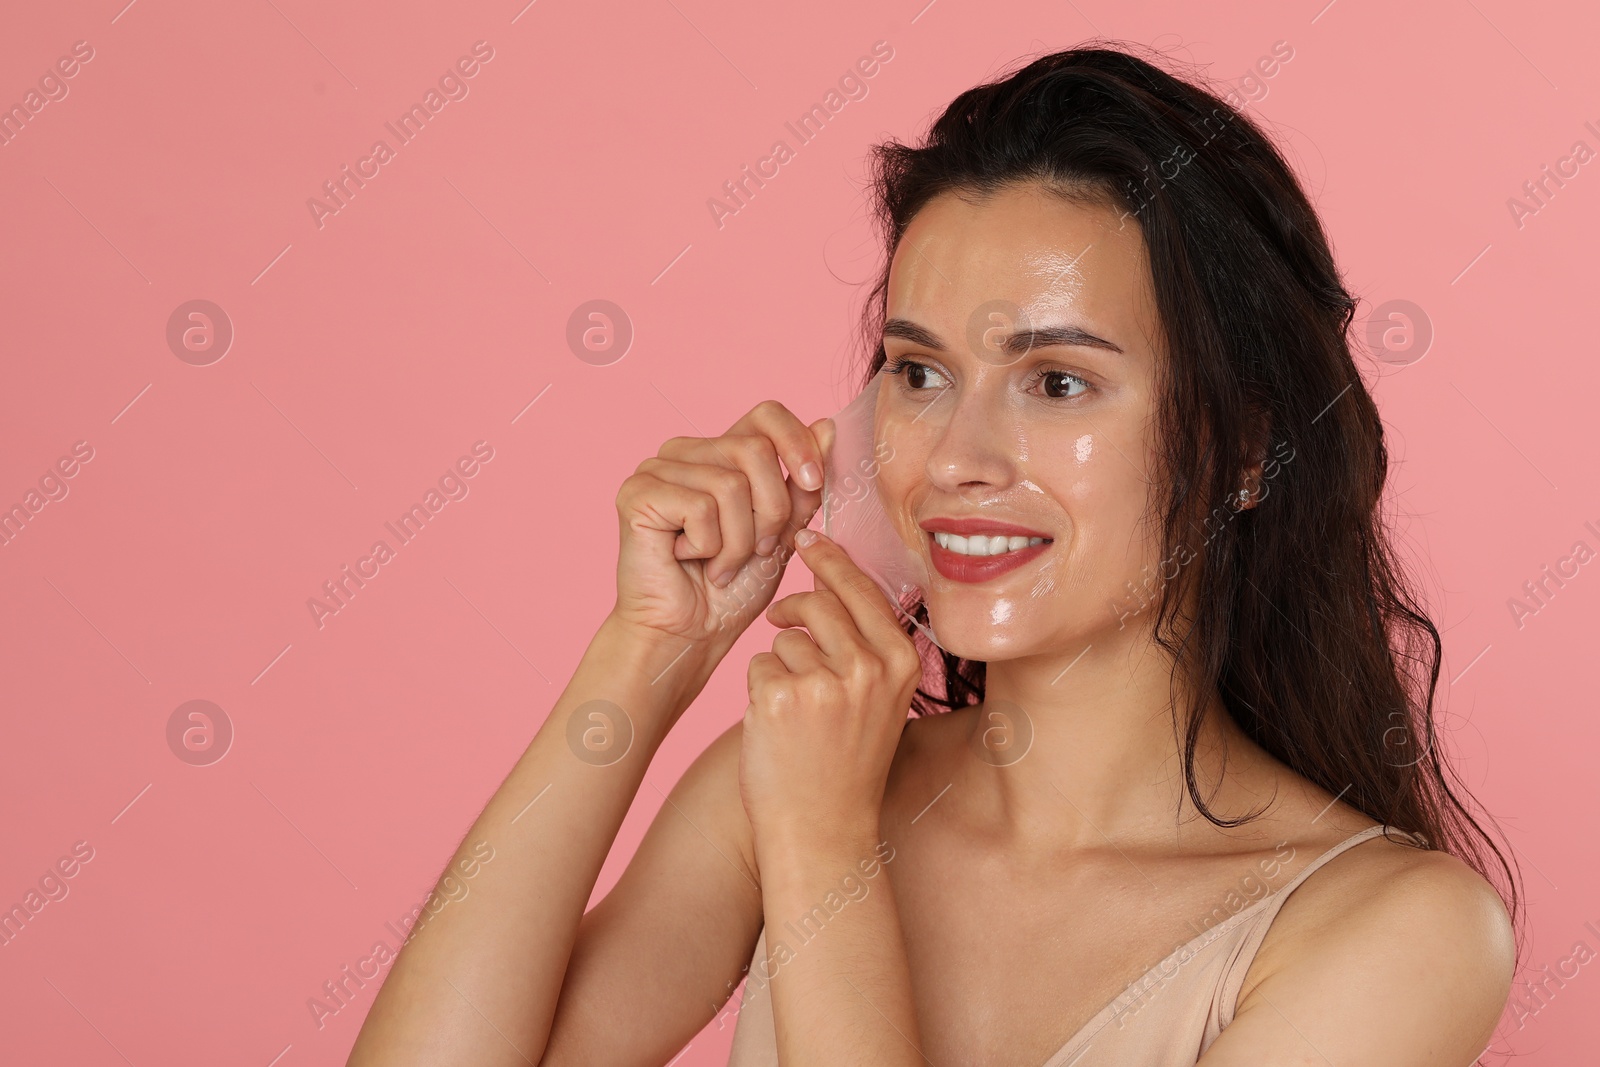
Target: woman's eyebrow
column 1017, row 343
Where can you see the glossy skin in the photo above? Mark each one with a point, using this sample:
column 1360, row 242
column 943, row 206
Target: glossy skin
column 1058, row 440
column 1025, row 889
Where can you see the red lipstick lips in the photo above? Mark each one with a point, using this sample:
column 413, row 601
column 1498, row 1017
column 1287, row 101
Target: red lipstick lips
column 960, row 567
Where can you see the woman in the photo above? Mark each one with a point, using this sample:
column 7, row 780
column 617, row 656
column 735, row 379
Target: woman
column 1183, row 696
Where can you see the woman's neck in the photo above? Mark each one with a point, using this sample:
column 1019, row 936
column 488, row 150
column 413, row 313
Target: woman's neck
column 1104, row 762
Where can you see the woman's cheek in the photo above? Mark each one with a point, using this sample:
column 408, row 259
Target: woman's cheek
column 1090, row 476
column 1105, row 500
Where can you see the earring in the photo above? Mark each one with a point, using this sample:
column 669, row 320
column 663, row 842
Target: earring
column 1244, row 496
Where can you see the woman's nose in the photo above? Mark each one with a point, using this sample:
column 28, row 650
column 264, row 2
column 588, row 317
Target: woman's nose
column 975, row 443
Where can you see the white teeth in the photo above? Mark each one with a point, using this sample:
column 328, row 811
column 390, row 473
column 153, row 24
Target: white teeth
column 980, row 545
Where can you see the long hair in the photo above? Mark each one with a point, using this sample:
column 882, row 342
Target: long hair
column 1303, row 619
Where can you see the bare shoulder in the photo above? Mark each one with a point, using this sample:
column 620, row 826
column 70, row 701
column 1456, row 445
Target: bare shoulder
column 1385, row 884
column 1386, row 954
column 716, row 768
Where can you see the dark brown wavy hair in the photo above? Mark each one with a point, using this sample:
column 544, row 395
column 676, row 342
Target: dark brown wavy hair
column 1303, row 619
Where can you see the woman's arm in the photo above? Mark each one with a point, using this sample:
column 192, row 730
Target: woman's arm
column 706, row 528
column 1406, row 963
column 660, row 955
column 479, row 982
column 844, row 994
column 827, row 707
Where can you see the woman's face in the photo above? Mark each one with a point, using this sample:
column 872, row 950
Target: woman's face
column 995, row 431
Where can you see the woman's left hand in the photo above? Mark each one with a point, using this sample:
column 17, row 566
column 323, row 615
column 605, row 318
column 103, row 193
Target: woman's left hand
column 827, row 706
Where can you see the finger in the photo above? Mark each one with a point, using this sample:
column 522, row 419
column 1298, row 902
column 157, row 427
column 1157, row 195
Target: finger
column 683, row 516
column 731, row 489
column 805, row 502
column 731, row 494
column 795, row 442
column 757, row 458
column 871, row 611
column 765, row 670
column 833, row 632
column 798, row 652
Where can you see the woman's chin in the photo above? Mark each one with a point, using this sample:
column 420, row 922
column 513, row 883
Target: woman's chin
column 972, row 640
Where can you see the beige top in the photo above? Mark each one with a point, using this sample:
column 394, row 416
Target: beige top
column 1202, row 980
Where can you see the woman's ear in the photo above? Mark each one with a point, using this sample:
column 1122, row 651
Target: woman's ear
column 1252, row 483
column 1251, row 489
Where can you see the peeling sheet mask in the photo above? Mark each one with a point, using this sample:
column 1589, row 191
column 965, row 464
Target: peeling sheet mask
column 853, row 514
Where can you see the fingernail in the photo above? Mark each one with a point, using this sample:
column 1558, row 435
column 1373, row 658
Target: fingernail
column 805, row 537
column 810, row 476
column 767, row 544
column 720, row 580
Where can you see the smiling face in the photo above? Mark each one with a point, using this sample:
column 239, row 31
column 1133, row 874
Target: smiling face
column 1019, row 399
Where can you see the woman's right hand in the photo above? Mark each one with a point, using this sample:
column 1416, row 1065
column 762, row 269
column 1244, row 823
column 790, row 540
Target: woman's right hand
column 708, row 525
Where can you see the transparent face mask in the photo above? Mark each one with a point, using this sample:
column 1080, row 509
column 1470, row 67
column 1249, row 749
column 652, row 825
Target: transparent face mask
column 852, row 510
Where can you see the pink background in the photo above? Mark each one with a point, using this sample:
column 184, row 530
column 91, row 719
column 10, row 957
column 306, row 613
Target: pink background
column 431, row 310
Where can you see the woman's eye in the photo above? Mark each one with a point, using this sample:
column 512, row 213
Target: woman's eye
column 922, row 376
column 918, row 376
column 1059, row 385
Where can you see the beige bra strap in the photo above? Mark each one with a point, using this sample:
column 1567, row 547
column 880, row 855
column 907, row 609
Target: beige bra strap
column 1242, row 956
